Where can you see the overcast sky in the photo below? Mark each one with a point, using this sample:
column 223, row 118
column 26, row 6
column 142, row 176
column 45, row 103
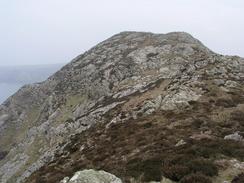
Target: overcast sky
column 55, row 31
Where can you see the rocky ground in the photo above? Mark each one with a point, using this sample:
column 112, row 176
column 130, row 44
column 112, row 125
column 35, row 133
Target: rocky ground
column 144, row 107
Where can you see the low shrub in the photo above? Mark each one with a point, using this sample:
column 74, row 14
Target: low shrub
column 238, row 179
column 225, row 102
column 150, row 169
column 175, row 172
column 195, row 178
column 3, row 154
column 238, row 116
column 178, row 166
column 133, row 168
column 203, row 166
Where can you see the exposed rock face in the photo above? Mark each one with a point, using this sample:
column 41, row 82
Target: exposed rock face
column 92, row 176
column 234, row 136
column 122, row 106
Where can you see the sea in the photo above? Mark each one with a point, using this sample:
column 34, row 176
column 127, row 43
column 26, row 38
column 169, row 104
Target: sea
column 8, row 89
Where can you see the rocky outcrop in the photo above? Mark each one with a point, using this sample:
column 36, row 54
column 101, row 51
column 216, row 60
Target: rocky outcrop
column 92, row 176
column 123, row 104
column 234, row 136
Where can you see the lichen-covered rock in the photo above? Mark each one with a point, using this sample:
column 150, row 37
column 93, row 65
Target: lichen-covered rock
column 180, row 143
column 234, row 136
column 92, row 176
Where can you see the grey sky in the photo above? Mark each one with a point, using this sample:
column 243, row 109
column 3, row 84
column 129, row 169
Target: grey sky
column 53, row 31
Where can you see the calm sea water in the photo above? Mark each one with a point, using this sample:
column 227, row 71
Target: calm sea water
column 8, row 89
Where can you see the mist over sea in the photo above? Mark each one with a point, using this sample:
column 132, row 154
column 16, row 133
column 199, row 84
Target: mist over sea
column 8, row 89
column 12, row 78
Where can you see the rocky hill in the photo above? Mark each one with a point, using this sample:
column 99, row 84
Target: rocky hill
column 141, row 106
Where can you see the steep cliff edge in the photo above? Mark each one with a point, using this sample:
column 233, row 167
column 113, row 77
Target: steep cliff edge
column 139, row 105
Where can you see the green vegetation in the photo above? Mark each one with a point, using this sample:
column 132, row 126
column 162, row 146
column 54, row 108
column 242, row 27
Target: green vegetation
column 70, row 104
column 196, row 178
column 151, row 169
column 175, row 167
